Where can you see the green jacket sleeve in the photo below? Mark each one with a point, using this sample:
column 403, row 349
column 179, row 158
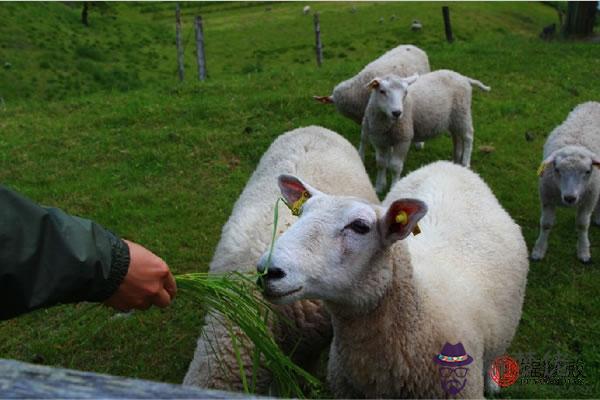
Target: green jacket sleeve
column 49, row 257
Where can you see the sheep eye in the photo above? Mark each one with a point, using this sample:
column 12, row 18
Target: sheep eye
column 359, row 227
column 589, row 171
column 382, row 91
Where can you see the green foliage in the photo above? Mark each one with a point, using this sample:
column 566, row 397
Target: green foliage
column 118, row 139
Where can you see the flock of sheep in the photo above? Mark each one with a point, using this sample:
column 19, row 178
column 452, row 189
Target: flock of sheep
column 386, row 284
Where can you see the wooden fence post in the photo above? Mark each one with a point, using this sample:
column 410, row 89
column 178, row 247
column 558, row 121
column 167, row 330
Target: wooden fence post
column 200, row 49
column 447, row 26
column 319, row 47
column 179, row 41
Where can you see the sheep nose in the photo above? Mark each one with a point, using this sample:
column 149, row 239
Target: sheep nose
column 396, row 113
column 570, row 199
column 272, row 273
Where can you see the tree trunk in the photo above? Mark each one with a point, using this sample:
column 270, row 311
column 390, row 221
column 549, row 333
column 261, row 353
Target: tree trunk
column 581, row 16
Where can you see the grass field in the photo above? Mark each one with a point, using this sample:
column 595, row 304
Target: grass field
column 93, row 120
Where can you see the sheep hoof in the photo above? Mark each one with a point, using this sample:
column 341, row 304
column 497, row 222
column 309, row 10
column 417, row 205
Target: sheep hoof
column 536, row 257
column 585, row 260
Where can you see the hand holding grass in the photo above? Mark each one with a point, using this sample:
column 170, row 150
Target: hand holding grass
column 148, row 282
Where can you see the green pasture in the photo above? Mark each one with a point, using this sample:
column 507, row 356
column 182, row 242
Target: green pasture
column 93, row 120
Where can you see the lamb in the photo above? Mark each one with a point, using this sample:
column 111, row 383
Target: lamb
column 393, row 302
column 327, row 159
column 351, row 96
column 567, row 176
column 398, row 114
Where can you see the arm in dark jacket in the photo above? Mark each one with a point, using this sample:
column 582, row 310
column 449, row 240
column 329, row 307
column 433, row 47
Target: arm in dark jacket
column 49, row 257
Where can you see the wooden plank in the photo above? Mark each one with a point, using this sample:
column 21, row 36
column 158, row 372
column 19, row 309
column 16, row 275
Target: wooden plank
column 23, row 380
column 200, row 49
column 447, row 25
column 179, row 41
column 318, row 45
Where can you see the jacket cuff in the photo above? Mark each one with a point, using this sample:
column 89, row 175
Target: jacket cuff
column 119, row 267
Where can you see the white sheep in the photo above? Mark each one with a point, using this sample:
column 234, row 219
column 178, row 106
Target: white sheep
column 394, row 303
column 306, row 10
column 321, row 156
column 351, row 96
column 397, row 115
column 568, row 177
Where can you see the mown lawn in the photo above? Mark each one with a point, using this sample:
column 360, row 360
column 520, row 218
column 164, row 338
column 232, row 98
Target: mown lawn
column 93, row 120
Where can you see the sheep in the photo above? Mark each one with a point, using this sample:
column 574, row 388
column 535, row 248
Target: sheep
column 306, row 10
column 394, row 302
column 322, row 156
column 397, row 114
column 350, row 97
column 568, row 177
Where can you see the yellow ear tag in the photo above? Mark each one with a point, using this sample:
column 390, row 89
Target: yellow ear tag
column 402, row 218
column 295, row 207
column 541, row 169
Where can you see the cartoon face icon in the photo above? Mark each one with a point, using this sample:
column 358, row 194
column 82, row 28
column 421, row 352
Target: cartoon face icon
column 453, row 379
column 452, row 361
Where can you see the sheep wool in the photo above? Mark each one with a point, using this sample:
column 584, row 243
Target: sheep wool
column 396, row 299
column 569, row 177
column 351, row 96
column 321, row 156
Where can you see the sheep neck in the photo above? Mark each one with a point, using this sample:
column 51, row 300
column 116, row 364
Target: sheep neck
column 386, row 344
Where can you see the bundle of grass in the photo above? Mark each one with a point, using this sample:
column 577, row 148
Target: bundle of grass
column 235, row 298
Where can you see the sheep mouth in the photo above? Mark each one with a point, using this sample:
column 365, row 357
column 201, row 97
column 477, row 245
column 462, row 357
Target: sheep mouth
column 270, row 295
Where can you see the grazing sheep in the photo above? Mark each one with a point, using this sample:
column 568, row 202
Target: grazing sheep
column 568, row 177
column 306, row 10
column 352, row 95
column 393, row 302
column 321, row 156
column 396, row 115
column 416, row 25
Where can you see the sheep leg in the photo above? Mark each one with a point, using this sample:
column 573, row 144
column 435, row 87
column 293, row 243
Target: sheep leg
column 546, row 223
column 584, row 215
column 457, row 143
column 467, row 145
column 397, row 157
column 381, row 158
column 363, row 144
column 596, row 215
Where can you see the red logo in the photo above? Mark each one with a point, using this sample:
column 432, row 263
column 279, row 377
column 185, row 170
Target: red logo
column 504, row 371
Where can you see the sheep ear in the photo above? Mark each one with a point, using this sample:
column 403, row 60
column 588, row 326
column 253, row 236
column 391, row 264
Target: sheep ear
column 549, row 160
column 401, row 219
column 411, row 79
column 295, row 192
column 374, row 84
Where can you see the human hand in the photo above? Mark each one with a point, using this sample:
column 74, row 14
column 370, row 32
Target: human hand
column 148, row 282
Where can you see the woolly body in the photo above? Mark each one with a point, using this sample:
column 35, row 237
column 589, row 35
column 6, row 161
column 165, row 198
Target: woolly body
column 569, row 179
column 436, row 102
column 352, row 95
column 462, row 280
column 321, row 156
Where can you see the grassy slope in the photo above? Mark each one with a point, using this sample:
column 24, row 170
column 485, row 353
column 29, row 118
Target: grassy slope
column 96, row 123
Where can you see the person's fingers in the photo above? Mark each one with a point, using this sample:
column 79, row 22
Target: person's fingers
column 162, row 299
column 170, row 285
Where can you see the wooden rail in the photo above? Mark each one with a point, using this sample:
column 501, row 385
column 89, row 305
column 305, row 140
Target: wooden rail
column 22, row 380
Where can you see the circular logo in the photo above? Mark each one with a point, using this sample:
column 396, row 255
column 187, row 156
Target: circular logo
column 504, row 371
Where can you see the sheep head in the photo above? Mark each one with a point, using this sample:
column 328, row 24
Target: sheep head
column 331, row 247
